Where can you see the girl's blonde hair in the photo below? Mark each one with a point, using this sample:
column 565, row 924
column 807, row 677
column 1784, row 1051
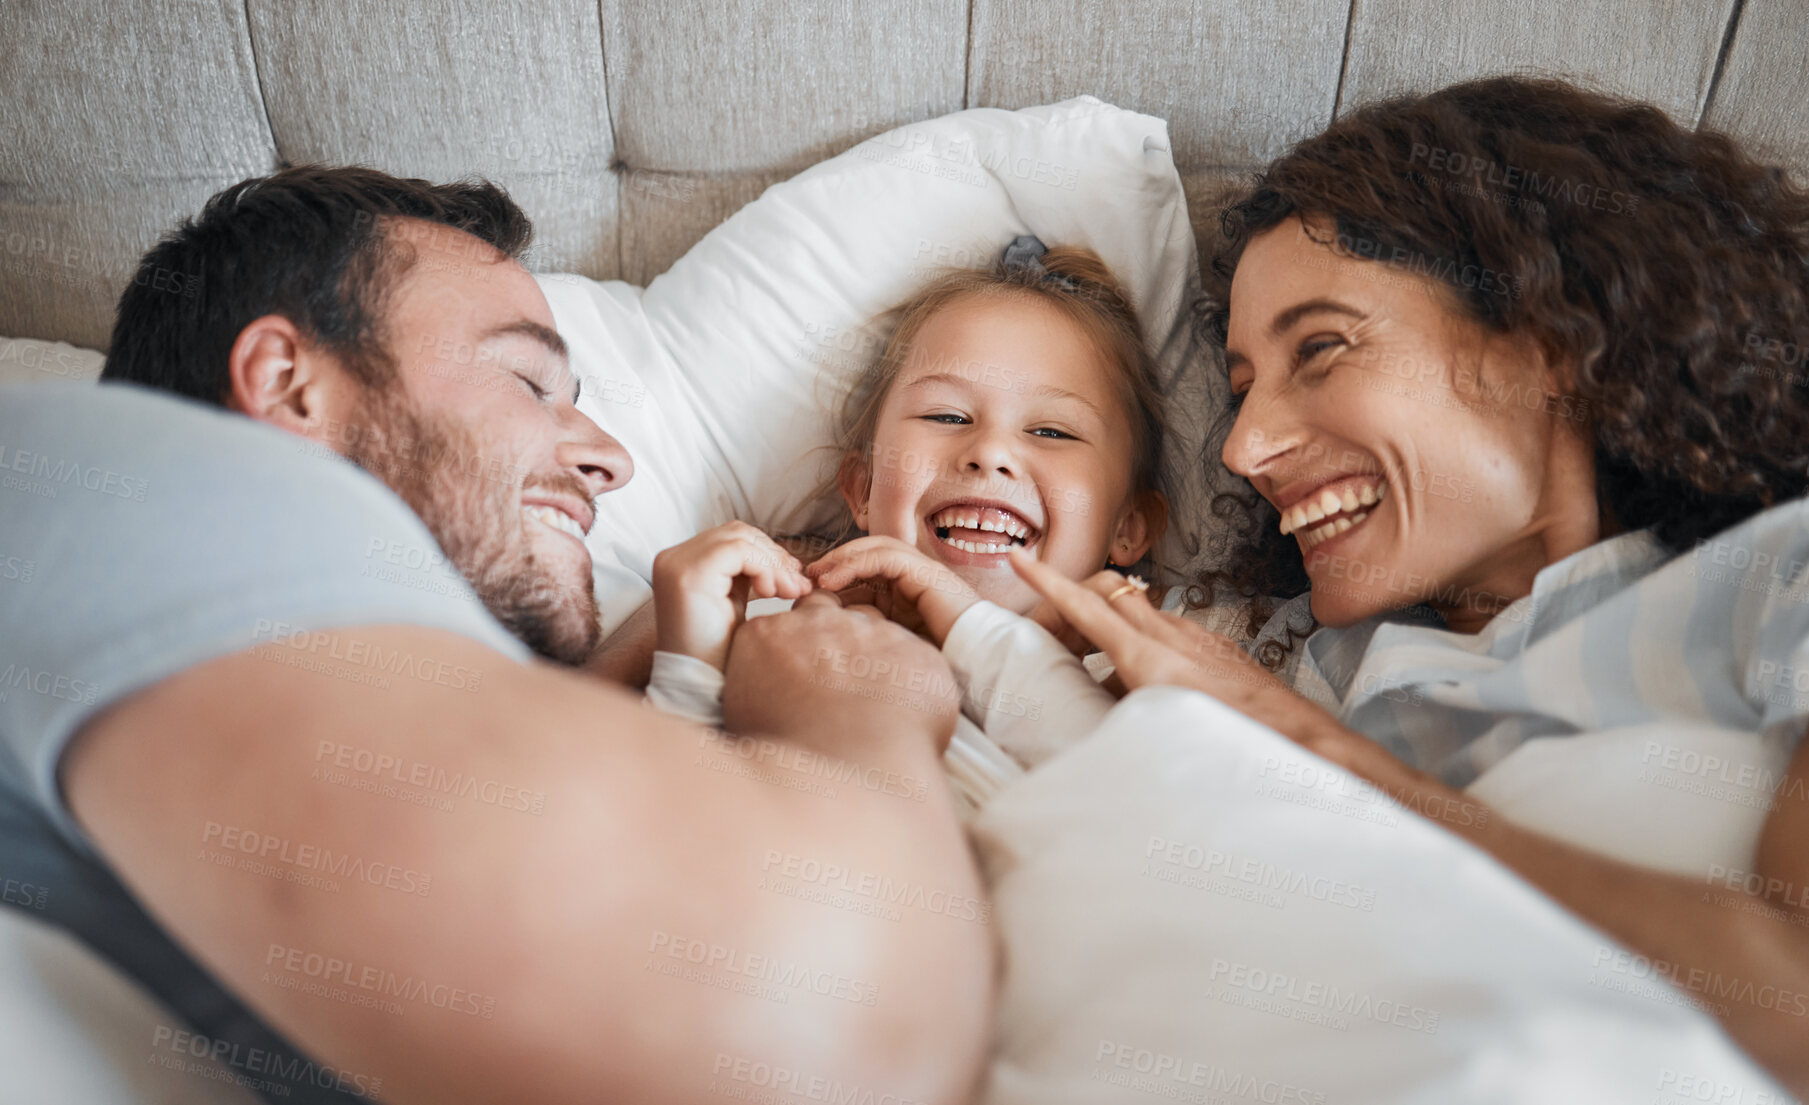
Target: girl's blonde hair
column 1071, row 279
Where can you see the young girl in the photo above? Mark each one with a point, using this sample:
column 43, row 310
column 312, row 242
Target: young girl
column 1012, row 407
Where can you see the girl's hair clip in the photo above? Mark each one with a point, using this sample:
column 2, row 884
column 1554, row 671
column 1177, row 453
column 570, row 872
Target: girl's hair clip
column 1025, row 251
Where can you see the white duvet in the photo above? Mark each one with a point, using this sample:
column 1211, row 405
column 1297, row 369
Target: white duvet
column 1194, row 908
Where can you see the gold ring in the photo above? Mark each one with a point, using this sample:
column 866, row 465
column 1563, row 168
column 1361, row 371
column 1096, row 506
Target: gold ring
column 1131, row 583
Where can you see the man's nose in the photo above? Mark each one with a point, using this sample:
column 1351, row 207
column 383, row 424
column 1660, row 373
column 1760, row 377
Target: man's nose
column 598, row 458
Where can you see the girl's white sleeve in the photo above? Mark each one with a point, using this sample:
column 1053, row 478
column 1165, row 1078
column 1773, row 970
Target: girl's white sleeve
column 686, row 686
column 1024, row 688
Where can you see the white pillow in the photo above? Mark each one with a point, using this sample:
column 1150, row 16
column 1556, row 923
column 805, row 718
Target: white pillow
column 1197, row 908
column 23, row 360
column 722, row 377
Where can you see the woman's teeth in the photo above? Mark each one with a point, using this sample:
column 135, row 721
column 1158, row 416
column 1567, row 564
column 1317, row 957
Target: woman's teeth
column 558, row 519
column 1346, row 509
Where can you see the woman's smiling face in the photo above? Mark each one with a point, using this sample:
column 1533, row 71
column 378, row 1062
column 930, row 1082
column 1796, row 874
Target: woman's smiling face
column 1415, row 455
column 1005, row 426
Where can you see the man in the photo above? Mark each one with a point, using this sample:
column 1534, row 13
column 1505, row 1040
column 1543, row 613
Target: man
column 335, row 779
column 375, row 317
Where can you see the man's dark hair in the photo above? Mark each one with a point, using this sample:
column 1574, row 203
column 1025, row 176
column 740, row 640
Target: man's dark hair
column 315, row 244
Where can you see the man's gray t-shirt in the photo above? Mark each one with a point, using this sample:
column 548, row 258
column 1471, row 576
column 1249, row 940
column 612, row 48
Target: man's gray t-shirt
column 141, row 535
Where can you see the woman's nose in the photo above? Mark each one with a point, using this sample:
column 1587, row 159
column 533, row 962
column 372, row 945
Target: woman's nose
column 1257, row 437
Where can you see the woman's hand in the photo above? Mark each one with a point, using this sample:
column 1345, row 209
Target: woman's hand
column 918, row 592
column 701, row 588
column 1149, row 647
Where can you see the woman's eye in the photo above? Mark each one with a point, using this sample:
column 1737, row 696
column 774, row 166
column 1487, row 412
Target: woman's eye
column 1237, row 399
column 1312, row 347
column 539, row 392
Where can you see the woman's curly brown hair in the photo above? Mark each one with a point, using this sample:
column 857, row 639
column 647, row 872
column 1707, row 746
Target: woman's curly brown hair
column 1667, row 267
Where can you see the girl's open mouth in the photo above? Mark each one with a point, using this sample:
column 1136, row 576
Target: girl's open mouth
column 981, row 530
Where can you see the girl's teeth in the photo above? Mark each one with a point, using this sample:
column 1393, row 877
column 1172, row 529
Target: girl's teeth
column 973, row 547
column 960, row 518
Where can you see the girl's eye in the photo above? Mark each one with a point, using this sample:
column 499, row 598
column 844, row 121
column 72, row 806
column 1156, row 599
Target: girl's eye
column 1060, row 435
column 952, row 419
column 539, row 392
column 1237, row 399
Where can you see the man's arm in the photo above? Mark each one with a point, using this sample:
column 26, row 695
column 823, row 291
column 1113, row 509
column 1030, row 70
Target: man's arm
column 626, row 656
column 542, row 890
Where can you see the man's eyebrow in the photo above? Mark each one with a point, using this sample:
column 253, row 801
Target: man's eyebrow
column 528, row 328
column 1285, row 321
column 545, row 335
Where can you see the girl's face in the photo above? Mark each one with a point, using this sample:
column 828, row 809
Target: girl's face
column 1005, row 427
column 1415, row 456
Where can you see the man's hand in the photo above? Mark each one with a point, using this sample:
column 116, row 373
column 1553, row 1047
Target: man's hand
column 838, row 680
column 908, row 586
column 701, row 588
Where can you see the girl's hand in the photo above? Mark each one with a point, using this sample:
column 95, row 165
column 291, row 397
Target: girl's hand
column 701, row 588
column 918, row 592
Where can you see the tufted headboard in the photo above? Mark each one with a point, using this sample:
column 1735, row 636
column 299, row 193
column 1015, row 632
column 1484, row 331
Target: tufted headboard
column 629, row 128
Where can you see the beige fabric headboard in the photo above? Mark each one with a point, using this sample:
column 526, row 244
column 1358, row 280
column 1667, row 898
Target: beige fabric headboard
column 629, row 128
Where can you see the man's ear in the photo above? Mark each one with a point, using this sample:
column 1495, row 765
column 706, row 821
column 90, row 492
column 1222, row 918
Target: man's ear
column 854, row 480
column 278, row 378
column 1143, row 524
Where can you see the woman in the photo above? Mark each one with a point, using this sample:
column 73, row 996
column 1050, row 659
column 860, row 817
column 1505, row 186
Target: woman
column 1516, row 386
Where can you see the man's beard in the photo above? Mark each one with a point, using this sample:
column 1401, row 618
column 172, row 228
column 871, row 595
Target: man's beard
column 472, row 506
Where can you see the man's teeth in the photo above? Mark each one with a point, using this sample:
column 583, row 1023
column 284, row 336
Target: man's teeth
column 1350, row 502
column 558, row 519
